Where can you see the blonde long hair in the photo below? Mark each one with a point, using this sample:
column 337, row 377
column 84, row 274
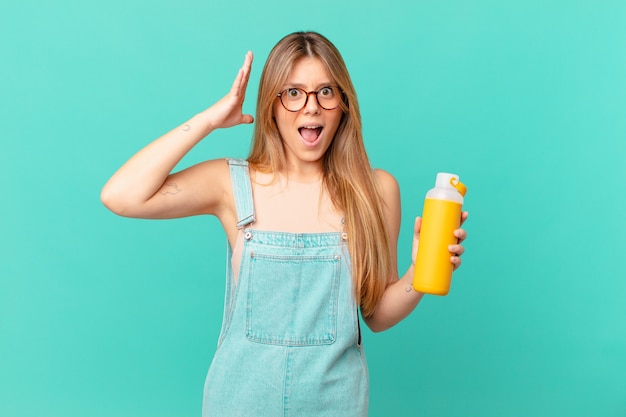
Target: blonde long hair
column 348, row 176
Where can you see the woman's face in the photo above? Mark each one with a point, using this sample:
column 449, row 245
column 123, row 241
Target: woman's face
column 307, row 133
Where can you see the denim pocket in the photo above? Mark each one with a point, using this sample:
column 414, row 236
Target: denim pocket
column 292, row 299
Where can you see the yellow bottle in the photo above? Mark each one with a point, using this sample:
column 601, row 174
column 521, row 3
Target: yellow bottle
column 441, row 217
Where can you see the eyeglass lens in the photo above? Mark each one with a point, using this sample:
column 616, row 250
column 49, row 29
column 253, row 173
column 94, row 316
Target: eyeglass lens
column 294, row 99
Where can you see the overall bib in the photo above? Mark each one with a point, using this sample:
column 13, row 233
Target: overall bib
column 290, row 339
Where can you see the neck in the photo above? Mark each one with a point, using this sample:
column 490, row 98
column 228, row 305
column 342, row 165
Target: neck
column 307, row 172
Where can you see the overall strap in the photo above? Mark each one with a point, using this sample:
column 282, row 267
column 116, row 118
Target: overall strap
column 242, row 191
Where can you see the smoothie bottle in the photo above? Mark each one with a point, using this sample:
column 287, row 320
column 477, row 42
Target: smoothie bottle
column 441, row 217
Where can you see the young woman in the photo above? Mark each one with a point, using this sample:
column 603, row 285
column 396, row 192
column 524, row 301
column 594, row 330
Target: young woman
column 312, row 229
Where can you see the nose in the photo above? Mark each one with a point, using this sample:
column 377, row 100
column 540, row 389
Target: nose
column 311, row 105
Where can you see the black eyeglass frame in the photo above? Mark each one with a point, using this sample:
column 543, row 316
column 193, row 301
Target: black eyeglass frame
column 308, row 93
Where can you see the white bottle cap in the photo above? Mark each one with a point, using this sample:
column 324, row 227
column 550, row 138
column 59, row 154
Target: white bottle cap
column 445, row 179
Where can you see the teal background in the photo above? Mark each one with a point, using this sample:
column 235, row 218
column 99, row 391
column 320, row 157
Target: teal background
column 525, row 100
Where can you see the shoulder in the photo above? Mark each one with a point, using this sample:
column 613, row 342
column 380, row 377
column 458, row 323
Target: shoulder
column 214, row 173
column 389, row 191
column 387, row 185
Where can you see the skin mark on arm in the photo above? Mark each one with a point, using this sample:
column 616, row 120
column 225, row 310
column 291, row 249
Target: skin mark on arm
column 170, row 188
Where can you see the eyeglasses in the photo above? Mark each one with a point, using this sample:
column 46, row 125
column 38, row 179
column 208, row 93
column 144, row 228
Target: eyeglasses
column 295, row 99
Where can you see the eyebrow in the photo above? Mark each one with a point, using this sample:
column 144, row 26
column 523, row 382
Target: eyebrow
column 302, row 86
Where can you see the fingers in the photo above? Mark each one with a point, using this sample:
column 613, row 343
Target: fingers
column 455, row 259
column 460, row 234
column 247, row 119
column 416, row 237
column 234, row 100
column 458, row 249
column 241, row 81
column 417, row 226
column 247, row 61
column 236, row 87
column 456, row 262
column 247, row 68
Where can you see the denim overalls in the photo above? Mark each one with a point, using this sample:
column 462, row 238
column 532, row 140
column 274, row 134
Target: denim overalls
column 290, row 338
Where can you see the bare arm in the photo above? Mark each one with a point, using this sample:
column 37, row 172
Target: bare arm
column 144, row 186
column 399, row 299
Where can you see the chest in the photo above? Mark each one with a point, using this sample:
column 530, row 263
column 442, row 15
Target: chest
column 295, row 207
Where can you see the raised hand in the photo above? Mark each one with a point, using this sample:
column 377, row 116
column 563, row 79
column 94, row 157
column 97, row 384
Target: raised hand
column 145, row 186
column 228, row 111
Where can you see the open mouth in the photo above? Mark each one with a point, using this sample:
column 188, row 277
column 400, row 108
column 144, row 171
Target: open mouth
column 310, row 133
